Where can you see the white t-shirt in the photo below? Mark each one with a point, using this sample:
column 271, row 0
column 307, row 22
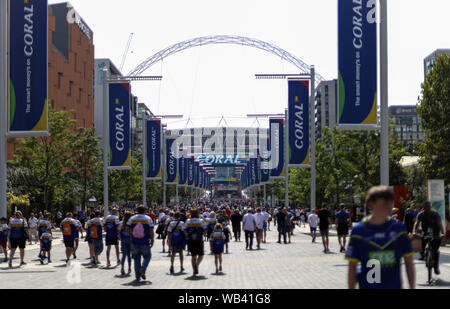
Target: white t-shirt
column 248, row 222
column 313, row 220
column 266, row 216
column 33, row 223
column 259, row 220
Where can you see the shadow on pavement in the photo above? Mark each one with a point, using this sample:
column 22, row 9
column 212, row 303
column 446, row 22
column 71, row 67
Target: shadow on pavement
column 436, row 283
column 218, row 274
column 27, row 271
column 196, row 278
column 137, row 283
column 122, row 276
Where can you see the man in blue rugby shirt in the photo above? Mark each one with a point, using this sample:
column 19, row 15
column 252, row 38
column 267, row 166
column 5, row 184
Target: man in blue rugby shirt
column 379, row 244
column 18, row 233
column 141, row 227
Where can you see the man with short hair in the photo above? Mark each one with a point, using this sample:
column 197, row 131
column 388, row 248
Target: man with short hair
column 68, row 226
column 18, row 233
column 324, row 226
column 281, row 223
column 236, row 219
column 141, row 227
column 95, row 230
column 342, row 223
column 33, row 228
column 380, row 238
column 260, row 218
column 249, row 227
column 432, row 226
column 313, row 220
column 111, row 225
column 195, row 229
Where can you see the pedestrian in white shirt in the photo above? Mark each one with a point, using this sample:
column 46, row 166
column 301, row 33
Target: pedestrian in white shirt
column 313, row 220
column 249, row 227
column 260, row 218
column 33, row 225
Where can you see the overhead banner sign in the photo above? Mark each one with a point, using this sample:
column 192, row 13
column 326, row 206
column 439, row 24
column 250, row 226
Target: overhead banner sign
column 276, row 163
column 28, row 68
column 298, row 123
column 190, row 175
column 357, row 86
column 182, row 171
column 153, row 149
column 119, row 126
column 171, row 163
column 196, row 174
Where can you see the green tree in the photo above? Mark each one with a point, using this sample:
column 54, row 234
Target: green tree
column 434, row 111
column 85, row 157
column 47, row 159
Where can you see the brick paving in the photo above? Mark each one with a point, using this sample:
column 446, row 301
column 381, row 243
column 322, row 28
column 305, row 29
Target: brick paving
column 299, row 265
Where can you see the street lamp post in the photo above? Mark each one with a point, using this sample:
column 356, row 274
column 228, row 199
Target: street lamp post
column 105, row 143
column 384, row 104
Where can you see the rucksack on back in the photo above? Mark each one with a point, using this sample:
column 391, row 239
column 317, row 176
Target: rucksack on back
column 67, row 229
column 138, row 231
column 93, row 232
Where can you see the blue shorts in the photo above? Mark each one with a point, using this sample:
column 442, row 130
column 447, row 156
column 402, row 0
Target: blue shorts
column 313, row 229
column 265, row 226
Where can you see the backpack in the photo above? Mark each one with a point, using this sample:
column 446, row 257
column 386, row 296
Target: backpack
column 194, row 235
column 93, row 232
column 138, row 231
column 177, row 238
column 67, row 229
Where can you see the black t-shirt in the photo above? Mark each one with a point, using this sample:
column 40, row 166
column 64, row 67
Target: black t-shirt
column 409, row 219
column 236, row 219
column 431, row 220
column 324, row 216
column 281, row 217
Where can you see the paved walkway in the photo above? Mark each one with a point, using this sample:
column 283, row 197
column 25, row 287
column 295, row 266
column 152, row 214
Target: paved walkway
column 299, row 265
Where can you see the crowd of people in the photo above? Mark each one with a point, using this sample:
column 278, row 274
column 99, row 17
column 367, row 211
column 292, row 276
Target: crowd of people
column 211, row 224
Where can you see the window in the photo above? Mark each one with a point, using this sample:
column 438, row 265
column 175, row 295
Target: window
column 59, row 80
column 70, row 88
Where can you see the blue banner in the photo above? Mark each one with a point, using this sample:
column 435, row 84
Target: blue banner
column 182, row 168
column 196, row 174
column 171, row 163
column 190, row 166
column 28, row 65
column 153, row 150
column 276, row 163
column 264, row 169
column 298, row 123
column 200, row 177
column 119, row 126
column 357, row 85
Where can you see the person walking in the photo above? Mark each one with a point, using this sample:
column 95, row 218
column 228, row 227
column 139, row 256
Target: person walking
column 260, row 218
column 111, row 225
column 68, row 227
column 177, row 241
column 249, row 227
column 384, row 239
column 324, row 226
column 46, row 245
column 4, row 231
column 343, row 222
column 95, row 230
column 195, row 230
column 281, row 224
column 313, row 220
column 236, row 219
column 218, row 244
column 141, row 229
column 33, row 229
column 18, row 233
column 125, row 243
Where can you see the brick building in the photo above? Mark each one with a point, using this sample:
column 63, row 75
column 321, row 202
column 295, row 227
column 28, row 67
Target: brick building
column 70, row 67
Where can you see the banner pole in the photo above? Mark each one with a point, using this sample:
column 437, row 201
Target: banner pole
column 105, row 143
column 144, row 158
column 286, row 159
column 164, row 167
column 3, row 105
column 313, row 137
column 384, row 104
